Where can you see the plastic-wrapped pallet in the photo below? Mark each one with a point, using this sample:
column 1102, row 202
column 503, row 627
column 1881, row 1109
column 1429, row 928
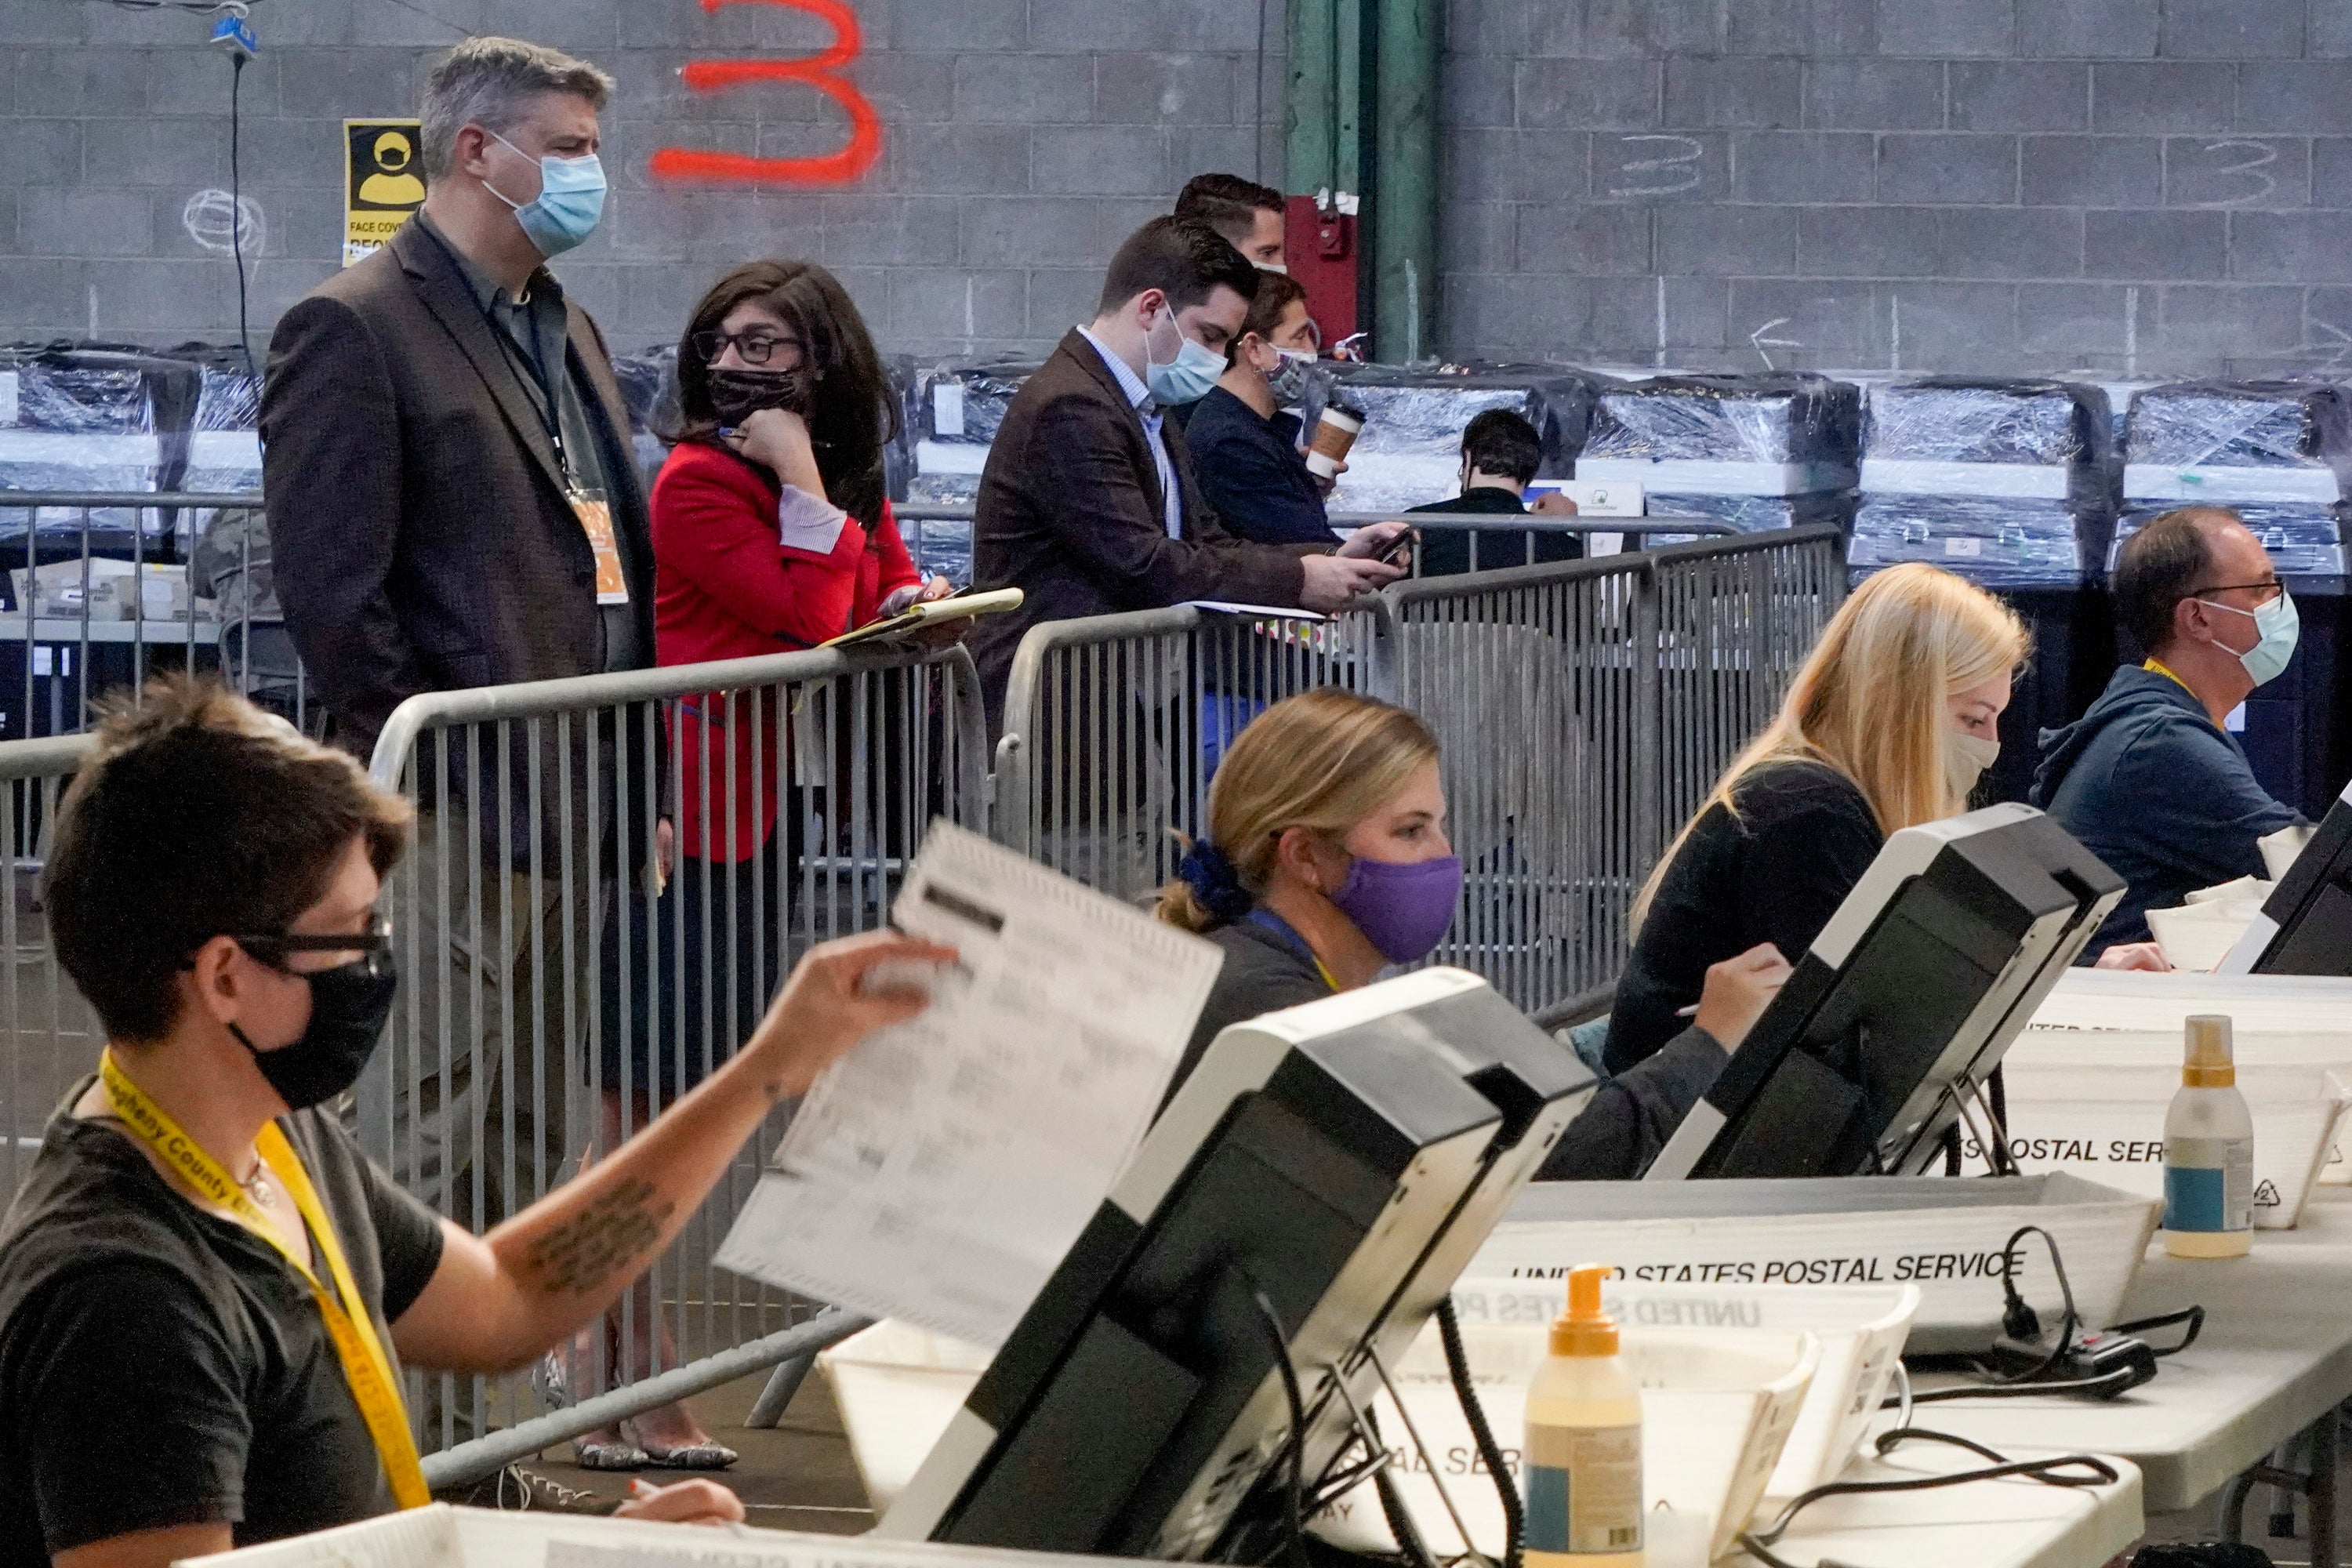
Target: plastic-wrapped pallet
column 110, row 420
column 2228, row 442
column 1758, row 452
column 649, row 386
column 959, row 407
column 1410, row 453
column 2003, row 482
column 2305, row 542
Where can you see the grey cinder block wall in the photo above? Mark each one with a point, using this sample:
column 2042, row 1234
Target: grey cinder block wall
column 2144, row 187
column 2147, row 188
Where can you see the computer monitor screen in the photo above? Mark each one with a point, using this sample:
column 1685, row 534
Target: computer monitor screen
column 2305, row 926
column 1904, row 1004
column 1308, row 1196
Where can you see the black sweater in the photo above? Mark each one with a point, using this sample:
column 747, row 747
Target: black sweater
column 1775, row 873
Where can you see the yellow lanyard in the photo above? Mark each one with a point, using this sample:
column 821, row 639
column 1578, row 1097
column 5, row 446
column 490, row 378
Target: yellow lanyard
column 365, row 1366
column 2156, row 667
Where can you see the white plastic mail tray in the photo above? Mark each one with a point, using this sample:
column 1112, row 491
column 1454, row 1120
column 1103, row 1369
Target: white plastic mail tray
column 1945, row 1235
column 441, row 1536
column 1861, row 1328
column 2105, row 1121
column 1718, row 1407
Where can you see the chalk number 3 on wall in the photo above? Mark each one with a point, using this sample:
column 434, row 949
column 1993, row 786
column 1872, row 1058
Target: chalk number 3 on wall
column 822, row 70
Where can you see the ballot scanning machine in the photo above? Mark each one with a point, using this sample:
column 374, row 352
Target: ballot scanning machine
column 2305, row 926
column 1300, row 1208
column 1902, row 1007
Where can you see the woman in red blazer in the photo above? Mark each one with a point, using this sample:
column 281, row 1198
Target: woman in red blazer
column 770, row 533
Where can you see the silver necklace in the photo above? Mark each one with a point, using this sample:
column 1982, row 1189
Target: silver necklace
column 256, row 1186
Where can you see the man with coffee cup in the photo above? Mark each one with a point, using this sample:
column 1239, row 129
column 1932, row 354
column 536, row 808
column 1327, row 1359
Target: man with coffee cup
column 1089, row 504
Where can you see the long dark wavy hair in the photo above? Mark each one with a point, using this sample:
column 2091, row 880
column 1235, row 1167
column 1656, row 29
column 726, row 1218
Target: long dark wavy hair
column 856, row 414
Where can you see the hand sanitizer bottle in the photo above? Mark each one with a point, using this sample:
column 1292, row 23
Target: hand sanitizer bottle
column 2209, row 1151
column 1583, row 1459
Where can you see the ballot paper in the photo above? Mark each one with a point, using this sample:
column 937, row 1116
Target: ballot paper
column 938, row 1173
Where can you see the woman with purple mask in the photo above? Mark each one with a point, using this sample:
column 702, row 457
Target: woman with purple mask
column 1327, row 862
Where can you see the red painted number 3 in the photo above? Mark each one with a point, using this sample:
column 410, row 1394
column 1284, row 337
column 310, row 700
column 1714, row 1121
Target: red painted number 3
column 821, row 71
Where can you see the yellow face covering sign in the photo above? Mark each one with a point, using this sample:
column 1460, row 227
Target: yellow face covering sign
column 384, row 182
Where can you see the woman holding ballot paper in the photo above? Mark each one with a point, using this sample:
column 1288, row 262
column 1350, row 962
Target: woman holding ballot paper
column 1327, row 860
column 1889, row 724
column 207, row 1291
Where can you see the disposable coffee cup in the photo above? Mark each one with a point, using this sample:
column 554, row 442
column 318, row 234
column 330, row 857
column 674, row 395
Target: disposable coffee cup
column 1335, row 437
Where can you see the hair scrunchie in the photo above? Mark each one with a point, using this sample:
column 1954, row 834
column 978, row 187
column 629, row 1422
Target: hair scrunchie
column 1214, row 882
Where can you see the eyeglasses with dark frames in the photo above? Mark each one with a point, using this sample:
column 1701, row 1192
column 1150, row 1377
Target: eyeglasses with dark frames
column 274, row 950
column 756, row 346
column 2263, row 591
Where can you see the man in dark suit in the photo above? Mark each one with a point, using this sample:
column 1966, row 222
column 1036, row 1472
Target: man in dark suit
column 452, row 503
column 1089, row 505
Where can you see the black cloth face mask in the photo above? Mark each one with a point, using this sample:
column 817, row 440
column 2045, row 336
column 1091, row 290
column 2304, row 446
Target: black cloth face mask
column 737, row 394
column 348, row 1005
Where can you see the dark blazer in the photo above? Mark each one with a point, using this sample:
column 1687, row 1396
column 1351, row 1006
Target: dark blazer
column 1070, row 512
column 418, row 525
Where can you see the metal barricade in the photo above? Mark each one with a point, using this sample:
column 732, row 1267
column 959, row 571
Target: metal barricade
column 1583, row 709
column 1536, row 684
column 1734, row 620
column 99, row 591
column 557, row 992
column 53, row 1038
column 1114, row 724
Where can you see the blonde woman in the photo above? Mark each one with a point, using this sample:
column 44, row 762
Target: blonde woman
column 1889, row 724
column 1327, row 860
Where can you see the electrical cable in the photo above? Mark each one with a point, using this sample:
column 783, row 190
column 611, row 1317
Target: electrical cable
column 1293, row 1525
column 2079, row 1470
column 1457, row 1364
column 237, row 207
column 2192, row 1316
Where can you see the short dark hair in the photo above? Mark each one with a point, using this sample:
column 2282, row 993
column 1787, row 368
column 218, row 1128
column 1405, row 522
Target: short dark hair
column 1500, row 442
column 1227, row 203
column 2160, row 565
column 197, row 816
column 856, row 413
column 1184, row 259
column 1276, row 292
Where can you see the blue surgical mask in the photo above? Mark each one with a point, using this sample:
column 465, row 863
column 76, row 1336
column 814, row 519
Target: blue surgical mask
column 570, row 199
column 2279, row 626
column 1191, row 376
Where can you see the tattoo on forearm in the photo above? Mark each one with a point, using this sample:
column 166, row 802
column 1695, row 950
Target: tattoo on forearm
column 585, row 1252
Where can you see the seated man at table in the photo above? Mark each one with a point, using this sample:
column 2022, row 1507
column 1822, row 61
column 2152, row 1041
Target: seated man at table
column 1500, row 454
column 2151, row 779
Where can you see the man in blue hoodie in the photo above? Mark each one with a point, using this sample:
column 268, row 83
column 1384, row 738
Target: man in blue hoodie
column 2151, row 779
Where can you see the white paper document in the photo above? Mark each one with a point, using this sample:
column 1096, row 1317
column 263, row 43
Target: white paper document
column 938, row 1172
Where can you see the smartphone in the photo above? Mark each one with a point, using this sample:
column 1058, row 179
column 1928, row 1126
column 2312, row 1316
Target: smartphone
column 1401, row 552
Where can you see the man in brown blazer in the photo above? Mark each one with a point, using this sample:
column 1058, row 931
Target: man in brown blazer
column 452, row 503
column 1088, row 503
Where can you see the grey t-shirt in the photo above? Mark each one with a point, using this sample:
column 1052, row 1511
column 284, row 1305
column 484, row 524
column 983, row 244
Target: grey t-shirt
column 162, row 1366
